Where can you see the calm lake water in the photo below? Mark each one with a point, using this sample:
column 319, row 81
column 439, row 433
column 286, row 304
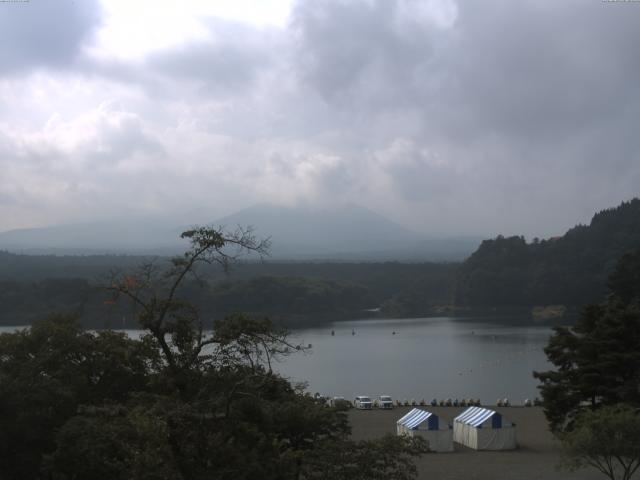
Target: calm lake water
column 426, row 358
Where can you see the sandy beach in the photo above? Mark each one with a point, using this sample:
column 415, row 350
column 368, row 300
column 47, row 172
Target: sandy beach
column 536, row 458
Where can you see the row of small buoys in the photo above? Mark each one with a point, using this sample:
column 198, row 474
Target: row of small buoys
column 504, row 402
column 465, row 402
column 353, row 332
column 412, row 402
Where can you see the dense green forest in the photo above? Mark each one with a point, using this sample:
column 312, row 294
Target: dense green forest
column 291, row 293
column 570, row 270
column 504, row 272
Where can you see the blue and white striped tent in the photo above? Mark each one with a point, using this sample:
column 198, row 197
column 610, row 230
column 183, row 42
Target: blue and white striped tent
column 438, row 434
column 416, row 417
column 483, row 429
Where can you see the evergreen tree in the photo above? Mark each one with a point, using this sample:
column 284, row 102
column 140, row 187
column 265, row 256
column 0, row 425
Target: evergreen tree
column 570, row 270
column 597, row 360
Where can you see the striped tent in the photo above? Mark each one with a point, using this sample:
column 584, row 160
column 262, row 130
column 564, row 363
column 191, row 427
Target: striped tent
column 483, row 429
column 427, row 425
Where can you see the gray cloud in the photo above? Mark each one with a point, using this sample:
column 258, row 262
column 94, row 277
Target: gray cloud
column 417, row 174
column 469, row 117
column 541, row 68
column 43, row 33
column 526, row 104
column 7, row 199
column 229, row 62
column 354, row 52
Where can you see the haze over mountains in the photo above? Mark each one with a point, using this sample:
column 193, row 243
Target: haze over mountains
column 135, row 237
column 297, row 233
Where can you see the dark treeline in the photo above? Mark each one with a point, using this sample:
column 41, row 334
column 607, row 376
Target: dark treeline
column 23, row 302
column 293, row 293
column 570, row 270
column 40, row 267
column 504, row 272
column 384, row 279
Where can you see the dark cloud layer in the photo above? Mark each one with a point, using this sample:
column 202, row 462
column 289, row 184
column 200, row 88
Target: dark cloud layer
column 44, row 33
column 228, row 63
column 359, row 51
column 453, row 117
column 531, row 99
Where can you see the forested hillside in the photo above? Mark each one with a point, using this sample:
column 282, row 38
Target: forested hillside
column 569, row 270
column 295, row 293
column 504, row 272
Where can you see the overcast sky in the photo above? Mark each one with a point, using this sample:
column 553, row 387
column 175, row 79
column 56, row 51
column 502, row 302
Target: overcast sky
column 470, row 117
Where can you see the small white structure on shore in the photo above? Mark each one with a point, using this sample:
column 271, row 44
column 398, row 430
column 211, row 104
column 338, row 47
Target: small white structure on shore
column 427, row 425
column 483, row 429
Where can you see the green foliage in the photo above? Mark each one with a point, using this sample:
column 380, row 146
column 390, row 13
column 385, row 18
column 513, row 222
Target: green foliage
column 111, row 443
column 390, row 457
column 46, row 372
column 290, row 295
column 570, row 270
column 597, row 361
column 87, row 405
column 179, row 403
column 607, row 439
column 24, row 301
column 624, row 282
column 295, row 293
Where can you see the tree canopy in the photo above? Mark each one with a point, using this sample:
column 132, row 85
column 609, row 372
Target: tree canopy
column 597, row 360
column 607, row 439
column 570, row 270
column 187, row 400
column 291, row 293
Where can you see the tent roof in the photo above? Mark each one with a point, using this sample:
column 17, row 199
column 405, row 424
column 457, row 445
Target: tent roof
column 414, row 418
column 474, row 416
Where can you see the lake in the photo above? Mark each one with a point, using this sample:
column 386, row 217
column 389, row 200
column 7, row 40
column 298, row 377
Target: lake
column 426, row 358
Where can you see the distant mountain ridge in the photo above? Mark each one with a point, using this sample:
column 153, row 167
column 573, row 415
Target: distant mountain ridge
column 348, row 233
column 571, row 269
column 297, row 233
